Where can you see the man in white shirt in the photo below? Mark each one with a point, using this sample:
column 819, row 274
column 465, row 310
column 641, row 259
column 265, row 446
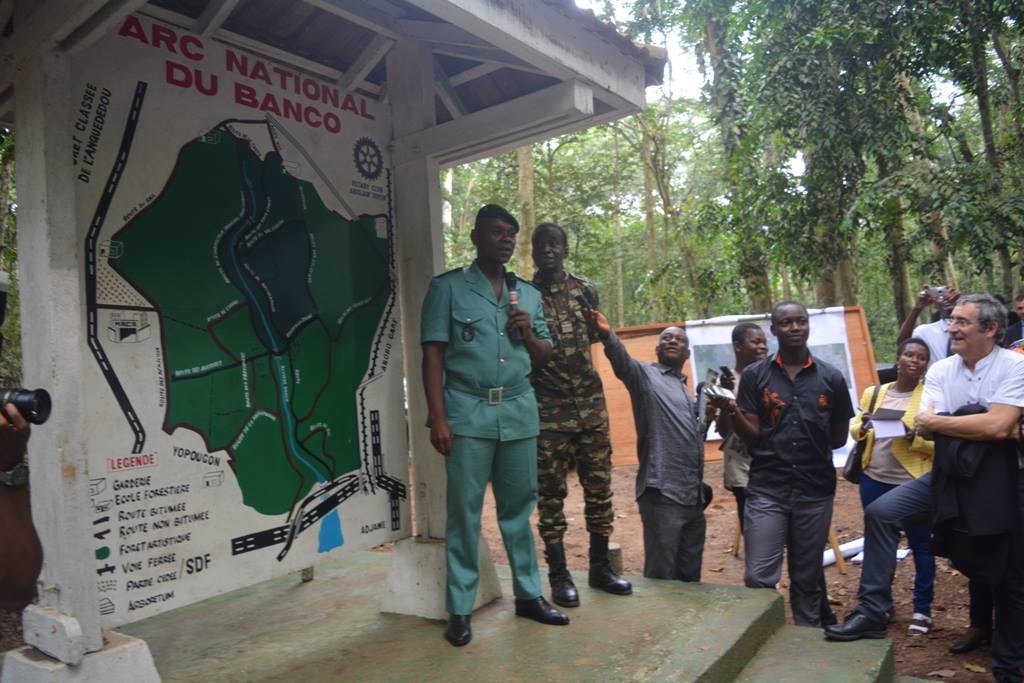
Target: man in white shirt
column 935, row 334
column 979, row 372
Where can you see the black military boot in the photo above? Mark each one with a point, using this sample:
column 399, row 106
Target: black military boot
column 563, row 590
column 601, row 574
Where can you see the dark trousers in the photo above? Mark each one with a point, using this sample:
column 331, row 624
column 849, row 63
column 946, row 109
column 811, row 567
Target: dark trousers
column 981, row 604
column 908, row 506
column 673, row 537
column 799, row 528
column 919, row 539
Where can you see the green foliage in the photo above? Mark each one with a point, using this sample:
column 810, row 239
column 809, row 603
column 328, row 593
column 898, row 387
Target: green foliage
column 824, row 125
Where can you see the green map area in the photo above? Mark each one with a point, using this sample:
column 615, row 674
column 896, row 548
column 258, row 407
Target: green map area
column 268, row 303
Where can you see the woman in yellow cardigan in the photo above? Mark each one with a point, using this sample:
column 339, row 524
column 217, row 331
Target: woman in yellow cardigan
column 889, row 462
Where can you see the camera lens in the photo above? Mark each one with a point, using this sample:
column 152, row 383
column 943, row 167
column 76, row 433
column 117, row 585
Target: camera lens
column 33, row 404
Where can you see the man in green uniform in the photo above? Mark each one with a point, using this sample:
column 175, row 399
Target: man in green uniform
column 573, row 421
column 478, row 348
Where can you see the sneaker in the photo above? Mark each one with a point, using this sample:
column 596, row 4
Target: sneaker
column 920, row 624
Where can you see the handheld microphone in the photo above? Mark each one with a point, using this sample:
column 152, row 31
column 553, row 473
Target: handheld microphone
column 515, row 334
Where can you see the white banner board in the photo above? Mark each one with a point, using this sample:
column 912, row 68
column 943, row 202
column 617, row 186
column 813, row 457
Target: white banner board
column 711, row 347
column 246, row 390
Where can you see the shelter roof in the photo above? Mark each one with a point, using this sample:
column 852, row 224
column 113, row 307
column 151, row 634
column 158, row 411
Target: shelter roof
column 485, row 52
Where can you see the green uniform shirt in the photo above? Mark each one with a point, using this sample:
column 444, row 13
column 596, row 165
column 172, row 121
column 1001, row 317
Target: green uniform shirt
column 569, row 390
column 460, row 310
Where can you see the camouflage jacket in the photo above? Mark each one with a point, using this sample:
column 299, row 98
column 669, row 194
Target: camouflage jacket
column 570, row 395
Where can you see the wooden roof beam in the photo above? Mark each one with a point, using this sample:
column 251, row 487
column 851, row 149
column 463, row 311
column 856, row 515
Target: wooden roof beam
column 502, row 127
column 473, row 73
column 540, row 35
column 362, row 13
column 439, row 32
column 488, row 55
column 446, row 92
column 49, row 24
column 368, row 58
column 99, row 24
column 213, row 17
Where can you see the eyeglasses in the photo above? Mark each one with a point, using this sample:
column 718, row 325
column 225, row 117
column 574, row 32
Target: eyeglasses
column 961, row 322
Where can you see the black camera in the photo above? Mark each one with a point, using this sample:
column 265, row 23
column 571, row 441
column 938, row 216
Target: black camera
column 33, row 404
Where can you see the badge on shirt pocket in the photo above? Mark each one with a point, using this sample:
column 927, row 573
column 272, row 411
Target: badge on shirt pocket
column 465, row 325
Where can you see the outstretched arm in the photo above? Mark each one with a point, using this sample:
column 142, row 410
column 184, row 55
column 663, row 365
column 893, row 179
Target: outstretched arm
column 626, row 368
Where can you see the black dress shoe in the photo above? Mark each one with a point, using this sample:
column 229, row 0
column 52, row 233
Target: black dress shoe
column 458, row 632
column 974, row 637
column 538, row 609
column 856, row 627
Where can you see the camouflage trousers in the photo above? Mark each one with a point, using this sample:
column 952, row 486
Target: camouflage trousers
column 592, row 451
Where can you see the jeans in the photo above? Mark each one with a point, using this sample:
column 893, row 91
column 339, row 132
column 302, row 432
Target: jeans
column 919, row 538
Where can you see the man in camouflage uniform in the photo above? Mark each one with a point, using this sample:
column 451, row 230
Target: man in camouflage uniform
column 573, row 422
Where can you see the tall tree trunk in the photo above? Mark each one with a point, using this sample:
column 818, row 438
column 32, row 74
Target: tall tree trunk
column 979, row 65
column 896, row 237
column 620, row 288
column 846, row 274
column 933, row 220
column 753, row 264
column 1013, row 74
column 524, row 259
column 787, row 290
column 825, row 289
column 652, row 240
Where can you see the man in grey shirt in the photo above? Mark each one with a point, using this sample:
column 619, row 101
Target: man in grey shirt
column 670, row 450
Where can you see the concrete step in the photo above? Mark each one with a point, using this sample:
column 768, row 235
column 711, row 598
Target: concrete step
column 332, row 630
column 796, row 653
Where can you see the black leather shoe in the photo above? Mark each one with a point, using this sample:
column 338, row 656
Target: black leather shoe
column 973, row 638
column 601, row 574
column 563, row 590
column 458, row 632
column 856, row 627
column 538, row 609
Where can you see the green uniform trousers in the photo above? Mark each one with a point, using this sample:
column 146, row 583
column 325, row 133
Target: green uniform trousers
column 511, row 466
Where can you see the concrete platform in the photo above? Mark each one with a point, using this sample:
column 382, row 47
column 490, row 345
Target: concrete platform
column 802, row 654
column 331, row 630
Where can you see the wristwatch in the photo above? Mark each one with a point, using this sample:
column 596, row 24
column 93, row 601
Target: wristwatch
column 16, row 477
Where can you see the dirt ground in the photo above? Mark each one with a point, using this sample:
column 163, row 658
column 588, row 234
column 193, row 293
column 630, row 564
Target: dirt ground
column 921, row 656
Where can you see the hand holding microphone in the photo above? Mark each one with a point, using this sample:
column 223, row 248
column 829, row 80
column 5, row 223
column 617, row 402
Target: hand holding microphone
column 518, row 320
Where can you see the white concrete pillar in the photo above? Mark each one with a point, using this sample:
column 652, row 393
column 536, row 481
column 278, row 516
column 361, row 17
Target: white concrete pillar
column 416, row 579
column 65, row 623
column 53, row 333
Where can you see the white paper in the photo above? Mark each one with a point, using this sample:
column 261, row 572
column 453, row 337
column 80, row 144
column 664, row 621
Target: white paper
column 889, row 429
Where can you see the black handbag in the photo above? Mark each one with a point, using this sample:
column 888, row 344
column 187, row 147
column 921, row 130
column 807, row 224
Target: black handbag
column 855, row 460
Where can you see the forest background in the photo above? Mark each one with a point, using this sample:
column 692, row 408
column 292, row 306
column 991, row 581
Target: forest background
column 836, row 152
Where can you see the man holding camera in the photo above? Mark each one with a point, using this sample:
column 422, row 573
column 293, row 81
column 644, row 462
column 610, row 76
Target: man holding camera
column 669, row 482
column 21, row 556
column 935, row 334
column 573, row 422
